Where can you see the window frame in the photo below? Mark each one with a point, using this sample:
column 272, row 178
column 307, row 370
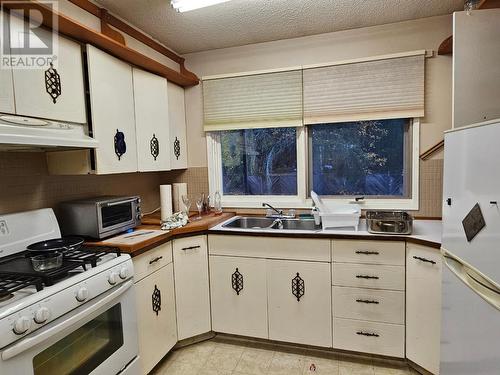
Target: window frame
column 302, row 199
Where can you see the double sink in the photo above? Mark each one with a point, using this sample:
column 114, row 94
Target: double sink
column 259, row 223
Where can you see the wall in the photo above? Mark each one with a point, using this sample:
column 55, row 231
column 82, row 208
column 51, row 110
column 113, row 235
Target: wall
column 412, row 35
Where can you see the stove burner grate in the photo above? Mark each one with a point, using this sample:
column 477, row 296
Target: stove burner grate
column 90, row 254
column 10, row 283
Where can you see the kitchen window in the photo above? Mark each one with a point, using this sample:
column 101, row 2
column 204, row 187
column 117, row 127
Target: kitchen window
column 365, row 158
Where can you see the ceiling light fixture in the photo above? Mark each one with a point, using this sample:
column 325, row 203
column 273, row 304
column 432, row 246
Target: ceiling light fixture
column 187, row 5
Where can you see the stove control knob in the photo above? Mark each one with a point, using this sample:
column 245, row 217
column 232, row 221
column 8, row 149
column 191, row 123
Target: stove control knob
column 82, row 294
column 41, row 315
column 113, row 278
column 21, row 325
column 123, row 273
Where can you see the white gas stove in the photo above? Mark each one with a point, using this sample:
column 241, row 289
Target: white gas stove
column 79, row 318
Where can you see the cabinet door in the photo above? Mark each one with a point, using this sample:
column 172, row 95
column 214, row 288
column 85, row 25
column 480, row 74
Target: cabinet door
column 6, row 84
column 177, row 115
column 32, row 97
column 476, row 74
column 239, row 296
column 156, row 316
column 423, row 306
column 299, row 302
column 151, row 121
column 192, row 294
column 112, row 105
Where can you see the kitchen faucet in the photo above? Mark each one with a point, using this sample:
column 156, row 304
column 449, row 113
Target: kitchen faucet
column 278, row 213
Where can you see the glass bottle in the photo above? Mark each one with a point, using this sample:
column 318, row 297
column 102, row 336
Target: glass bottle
column 217, row 203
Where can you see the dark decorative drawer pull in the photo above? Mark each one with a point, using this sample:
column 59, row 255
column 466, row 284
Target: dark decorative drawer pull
column 367, row 277
column 298, row 287
column 120, row 145
column 237, row 281
column 177, row 148
column 366, row 252
column 154, row 260
column 191, row 247
column 424, row 260
column 361, row 333
column 156, row 300
column 53, row 83
column 154, row 146
column 367, row 301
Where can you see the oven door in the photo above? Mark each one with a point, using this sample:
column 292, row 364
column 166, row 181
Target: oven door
column 99, row 337
column 117, row 216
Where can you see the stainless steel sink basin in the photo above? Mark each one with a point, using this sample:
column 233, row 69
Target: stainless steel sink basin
column 249, row 222
column 393, row 222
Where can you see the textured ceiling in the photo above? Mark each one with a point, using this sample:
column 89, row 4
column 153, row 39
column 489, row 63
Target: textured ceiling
column 240, row 22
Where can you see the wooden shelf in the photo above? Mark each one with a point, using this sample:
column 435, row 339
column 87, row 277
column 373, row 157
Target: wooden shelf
column 75, row 30
column 446, row 46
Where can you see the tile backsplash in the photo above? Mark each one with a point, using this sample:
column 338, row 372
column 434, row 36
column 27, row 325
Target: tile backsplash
column 25, row 184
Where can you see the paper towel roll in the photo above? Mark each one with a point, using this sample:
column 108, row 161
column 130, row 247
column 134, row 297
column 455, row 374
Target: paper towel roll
column 178, row 190
column 165, row 201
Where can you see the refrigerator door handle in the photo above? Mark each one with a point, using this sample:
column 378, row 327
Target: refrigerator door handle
column 477, row 282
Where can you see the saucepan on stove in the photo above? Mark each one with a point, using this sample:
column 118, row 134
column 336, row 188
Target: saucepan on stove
column 48, row 254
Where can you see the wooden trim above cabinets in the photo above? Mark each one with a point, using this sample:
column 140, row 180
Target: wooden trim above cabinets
column 446, row 46
column 73, row 29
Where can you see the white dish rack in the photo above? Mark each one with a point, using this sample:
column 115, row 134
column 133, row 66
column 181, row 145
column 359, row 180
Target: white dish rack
column 335, row 215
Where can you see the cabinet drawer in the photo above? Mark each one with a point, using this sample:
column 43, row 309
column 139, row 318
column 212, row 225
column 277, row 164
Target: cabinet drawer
column 369, row 337
column 271, row 248
column 154, row 259
column 386, row 306
column 369, row 252
column 369, row 276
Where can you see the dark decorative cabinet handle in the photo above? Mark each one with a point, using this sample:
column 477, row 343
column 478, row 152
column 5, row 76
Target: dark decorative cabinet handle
column 367, row 301
column 367, row 277
column 298, row 287
column 154, row 146
column 177, row 148
column 156, row 300
column 120, row 145
column 361, row 333
column 365, row 252
column 154, row 260
column 191, row 247
column 237, row 281
column 424, row 260
column 53, row 83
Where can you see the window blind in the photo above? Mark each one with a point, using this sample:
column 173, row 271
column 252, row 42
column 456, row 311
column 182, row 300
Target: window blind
column 369, row 90
column 266, row 100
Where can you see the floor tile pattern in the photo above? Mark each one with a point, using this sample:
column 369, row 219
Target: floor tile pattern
column 221, row 358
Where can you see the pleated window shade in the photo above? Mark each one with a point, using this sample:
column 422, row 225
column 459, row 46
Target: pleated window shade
column 265, row 100
column 370, row 90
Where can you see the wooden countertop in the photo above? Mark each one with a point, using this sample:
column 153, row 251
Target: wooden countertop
column 153, row 222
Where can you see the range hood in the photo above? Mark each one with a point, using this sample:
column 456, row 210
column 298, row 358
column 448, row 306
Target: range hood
column 18, row 133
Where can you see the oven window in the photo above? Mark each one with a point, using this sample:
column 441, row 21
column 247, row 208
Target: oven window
column 84, row 349
column 117, row 214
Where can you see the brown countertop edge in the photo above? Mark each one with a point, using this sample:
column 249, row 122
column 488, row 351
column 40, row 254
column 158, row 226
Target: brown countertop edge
column 209, row 221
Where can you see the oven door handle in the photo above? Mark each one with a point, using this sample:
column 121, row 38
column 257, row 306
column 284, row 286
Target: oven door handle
column 31, row 341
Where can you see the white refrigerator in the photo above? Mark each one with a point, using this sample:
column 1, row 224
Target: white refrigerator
column 470, row 323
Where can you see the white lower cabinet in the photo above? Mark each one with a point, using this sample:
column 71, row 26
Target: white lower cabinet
column 192, row 293
column 299, row 302
column 156, row 320
column 238, row 290
column 423, row 306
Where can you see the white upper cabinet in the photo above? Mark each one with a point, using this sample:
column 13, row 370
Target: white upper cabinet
column 31, row 93
column 177, row 115
column 151, row 121
column 112, row 108
column 476, row 72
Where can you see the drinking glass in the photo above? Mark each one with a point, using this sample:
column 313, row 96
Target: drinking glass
column 199, row 206
column 187, row 204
